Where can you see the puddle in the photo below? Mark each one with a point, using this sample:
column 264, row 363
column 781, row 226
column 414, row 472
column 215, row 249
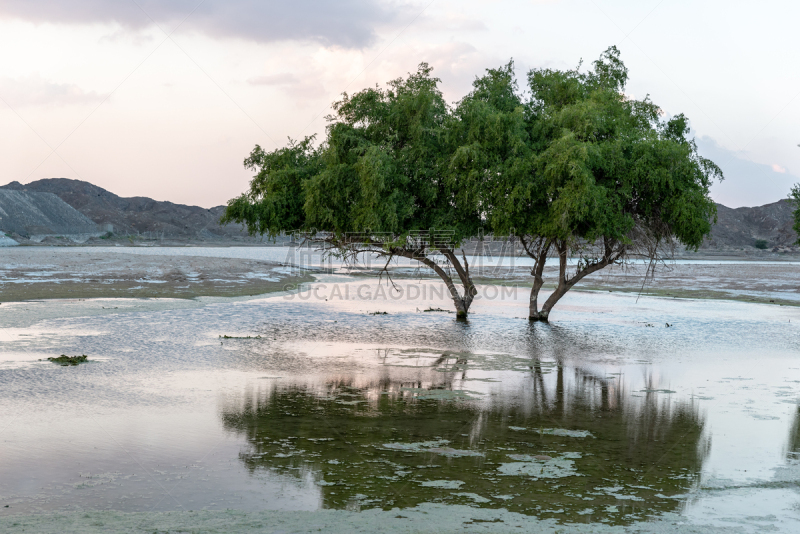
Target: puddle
column 315, row 405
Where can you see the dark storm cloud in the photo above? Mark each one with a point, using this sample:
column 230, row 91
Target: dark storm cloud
column 348, row 23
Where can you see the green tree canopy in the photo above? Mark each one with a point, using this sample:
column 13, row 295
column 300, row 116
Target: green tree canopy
column 377, row 184
column 570, row 167
column 795, row 196
column 586, row 171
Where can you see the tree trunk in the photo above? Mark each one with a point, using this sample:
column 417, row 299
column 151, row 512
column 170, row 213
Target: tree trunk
column 470, row 290
column 460, row 303
column 462, row 308
column 565, row 284
column 540, row 258
column 551, row 301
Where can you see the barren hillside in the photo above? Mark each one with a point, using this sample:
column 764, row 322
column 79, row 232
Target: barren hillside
column 741, row 227
column 135, row 215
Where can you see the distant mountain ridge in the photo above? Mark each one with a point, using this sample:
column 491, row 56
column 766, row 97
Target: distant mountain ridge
column 736, row 228
column 135, row 215
column 741, row 227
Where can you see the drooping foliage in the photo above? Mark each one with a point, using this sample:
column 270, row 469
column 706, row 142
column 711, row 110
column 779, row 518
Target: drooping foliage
column 276, row 197
column 588, row 171
column 378, row 184
column 602, row 163
column 385, row 160
column 570, row 167
column 795, row 196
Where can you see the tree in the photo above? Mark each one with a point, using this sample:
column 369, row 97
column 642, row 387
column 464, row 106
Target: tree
column 795, row 196
column 378, row 184
column 604, row 178
column 573, row 167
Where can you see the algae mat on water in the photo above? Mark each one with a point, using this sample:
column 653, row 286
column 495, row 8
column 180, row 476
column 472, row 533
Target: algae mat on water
column 385, row 447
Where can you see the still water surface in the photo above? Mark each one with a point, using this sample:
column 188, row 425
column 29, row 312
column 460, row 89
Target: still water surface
column 605, row 415
column 312, row 257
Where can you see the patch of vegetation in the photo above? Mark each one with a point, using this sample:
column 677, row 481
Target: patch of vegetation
column 65, row 360
column 239, row 337
column 107, row 235
column 379, row 313
column 437, row 310
column 761, row 244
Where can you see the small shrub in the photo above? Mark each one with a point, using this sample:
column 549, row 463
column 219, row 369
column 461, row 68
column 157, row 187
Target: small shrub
column 761, row 244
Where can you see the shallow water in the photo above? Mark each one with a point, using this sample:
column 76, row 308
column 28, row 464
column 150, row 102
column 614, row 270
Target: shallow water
column 604, row 415
column 311, row 257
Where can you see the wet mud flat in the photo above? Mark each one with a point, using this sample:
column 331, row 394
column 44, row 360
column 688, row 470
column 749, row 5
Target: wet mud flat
column 188, row 272
column 293, row 413
column 84, row 272
column 748, row 281
column 775, row 283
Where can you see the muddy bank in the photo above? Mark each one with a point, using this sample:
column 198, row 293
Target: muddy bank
column 28, row 273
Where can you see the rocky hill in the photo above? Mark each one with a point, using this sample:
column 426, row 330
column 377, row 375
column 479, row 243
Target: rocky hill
column 140, row 216
column 741, row 227
column 33, row 213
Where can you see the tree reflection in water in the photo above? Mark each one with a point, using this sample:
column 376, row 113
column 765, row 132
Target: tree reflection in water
column 566, row 444
column 793, row 446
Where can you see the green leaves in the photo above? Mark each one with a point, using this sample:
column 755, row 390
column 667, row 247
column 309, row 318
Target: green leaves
column 795, row 196
column 385, row 168
column 604, row 163
column 572, row 158
column 276, row 196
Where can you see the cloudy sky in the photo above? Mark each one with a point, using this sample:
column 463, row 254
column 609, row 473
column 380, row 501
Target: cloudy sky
column 165, row 98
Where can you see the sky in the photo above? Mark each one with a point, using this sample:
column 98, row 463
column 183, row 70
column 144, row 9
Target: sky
column 165, row 98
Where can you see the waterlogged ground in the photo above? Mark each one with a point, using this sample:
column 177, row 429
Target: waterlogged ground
column 28, row 273
column 363, row 412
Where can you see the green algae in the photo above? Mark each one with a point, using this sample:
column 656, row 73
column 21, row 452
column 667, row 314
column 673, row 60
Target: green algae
column 474, row 497
column 381, row 447
column 65, row 360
